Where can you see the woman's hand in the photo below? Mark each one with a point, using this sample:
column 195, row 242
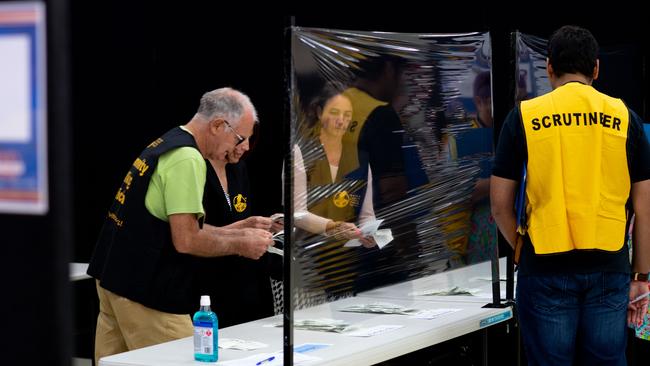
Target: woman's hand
column 368, row 242
column 342, row 230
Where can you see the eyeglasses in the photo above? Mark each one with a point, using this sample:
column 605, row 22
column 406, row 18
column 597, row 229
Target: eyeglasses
column 240, row 138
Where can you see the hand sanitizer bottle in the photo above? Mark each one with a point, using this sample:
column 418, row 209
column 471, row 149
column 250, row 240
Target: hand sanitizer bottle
column 206, row 325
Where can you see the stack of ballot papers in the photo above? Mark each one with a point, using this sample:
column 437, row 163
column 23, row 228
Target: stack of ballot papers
column 379, row 308
column 450, row 291
column 322, row 325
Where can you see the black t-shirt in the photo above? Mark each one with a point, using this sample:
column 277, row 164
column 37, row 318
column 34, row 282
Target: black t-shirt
column 511, row 154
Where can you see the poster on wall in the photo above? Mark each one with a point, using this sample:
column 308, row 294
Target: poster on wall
column 23, row 135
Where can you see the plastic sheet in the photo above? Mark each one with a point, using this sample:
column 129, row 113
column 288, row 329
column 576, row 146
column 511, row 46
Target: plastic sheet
column 396, row 127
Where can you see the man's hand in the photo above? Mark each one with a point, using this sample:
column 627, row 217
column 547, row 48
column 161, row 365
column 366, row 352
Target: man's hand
column 254, row 243
column 637, row 310
column 278, row 222
column 256, row 222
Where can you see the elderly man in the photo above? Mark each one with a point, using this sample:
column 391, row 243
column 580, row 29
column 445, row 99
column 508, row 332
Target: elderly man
column 153, row 239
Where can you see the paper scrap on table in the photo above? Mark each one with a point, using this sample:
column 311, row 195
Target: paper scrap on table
column 270, row 359
column 433, row 313
column 452, row 291
column 321, row 324
column 372, row 331
column 486, row 278
column 379, row 308
column 240, row 344
column 371, row 228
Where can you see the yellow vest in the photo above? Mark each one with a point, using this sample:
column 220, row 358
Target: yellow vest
column 578, row 179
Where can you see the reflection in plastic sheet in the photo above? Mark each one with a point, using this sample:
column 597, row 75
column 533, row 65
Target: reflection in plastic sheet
column 532, row 79
column 392, row 127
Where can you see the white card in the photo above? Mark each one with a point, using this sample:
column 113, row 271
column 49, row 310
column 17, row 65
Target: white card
column 372, row 331
column 240, row 344
column 433, row 313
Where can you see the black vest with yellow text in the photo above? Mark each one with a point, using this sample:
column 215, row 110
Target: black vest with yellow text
column 135, row 256
column 578, row 180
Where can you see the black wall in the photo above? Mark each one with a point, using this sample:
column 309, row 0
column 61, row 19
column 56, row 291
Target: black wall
column 142, row 70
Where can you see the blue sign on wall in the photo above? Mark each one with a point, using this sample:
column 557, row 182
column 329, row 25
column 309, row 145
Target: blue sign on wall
column 23, row 135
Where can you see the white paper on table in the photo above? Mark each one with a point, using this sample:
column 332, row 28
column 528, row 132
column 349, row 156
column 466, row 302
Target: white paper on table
column 298, row 359
column 449, row 291
column 371, row 228
column 433, row 313
column 372, row 331
column 485, row 278
column 240, row 344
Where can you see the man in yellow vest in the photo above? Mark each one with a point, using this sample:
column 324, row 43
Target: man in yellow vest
column 586, row 157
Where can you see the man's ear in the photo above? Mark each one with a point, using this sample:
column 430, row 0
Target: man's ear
column 215, row 124
column 596, row 69
column 549, row 69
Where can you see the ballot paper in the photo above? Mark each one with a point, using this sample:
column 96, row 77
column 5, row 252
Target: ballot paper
column 371, row 228
column 321, row 325
column 450, row 291
column 275, row 250
column 379, row 308
column 240, row 344
column 487, row 279
column 372, row 331
column 433, row 313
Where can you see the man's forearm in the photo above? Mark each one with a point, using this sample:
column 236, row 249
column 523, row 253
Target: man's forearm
column 502, row 198
column 209, row 241
column 507, row 223
column 641, row 244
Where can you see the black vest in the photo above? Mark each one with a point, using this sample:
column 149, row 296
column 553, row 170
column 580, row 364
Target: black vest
column 239, row 287
column 135, row 257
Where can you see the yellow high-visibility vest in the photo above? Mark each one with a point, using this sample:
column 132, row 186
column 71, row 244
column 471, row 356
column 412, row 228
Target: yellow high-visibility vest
column 578, row 179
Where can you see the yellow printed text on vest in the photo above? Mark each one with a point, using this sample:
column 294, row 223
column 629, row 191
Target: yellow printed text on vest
column 577, row 174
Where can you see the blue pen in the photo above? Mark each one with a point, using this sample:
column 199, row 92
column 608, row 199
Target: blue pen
column 265, row 361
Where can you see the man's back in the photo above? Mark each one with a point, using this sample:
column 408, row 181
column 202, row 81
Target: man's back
column 578, row 178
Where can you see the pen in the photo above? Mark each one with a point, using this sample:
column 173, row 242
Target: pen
column 640, row 297
column 265, row 360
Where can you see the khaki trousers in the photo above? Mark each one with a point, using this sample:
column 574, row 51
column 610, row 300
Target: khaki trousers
column 124, row 325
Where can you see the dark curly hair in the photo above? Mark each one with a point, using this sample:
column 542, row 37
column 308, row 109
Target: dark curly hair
column 572, row 49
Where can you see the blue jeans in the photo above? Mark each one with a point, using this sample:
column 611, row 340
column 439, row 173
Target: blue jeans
column 574, row 318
